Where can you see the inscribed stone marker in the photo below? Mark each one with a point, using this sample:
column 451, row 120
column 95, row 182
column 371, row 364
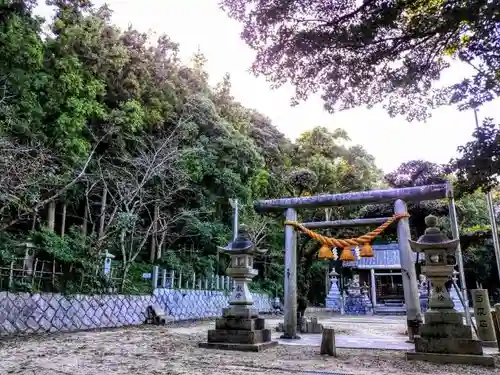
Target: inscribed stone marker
column 484, row 322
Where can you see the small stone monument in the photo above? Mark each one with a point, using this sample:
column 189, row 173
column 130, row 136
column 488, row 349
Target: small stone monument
column 334, row 299
column 108, row 257
column 443, row 338
column 484, row 321
column 240, row 328
column 357, row 302
column 454, row 294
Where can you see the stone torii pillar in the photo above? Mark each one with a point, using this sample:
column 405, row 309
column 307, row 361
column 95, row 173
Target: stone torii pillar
column 290, row 326
column 408, row 273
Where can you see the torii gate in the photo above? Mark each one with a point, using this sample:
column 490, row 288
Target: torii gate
column 399, row 197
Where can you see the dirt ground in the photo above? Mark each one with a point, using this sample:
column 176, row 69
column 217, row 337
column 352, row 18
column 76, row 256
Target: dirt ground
column 174, row 350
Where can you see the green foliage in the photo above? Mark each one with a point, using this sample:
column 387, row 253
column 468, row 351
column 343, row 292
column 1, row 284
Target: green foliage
column 478, row 165
column 364, row 53
column 74, row 248
column 140, row 157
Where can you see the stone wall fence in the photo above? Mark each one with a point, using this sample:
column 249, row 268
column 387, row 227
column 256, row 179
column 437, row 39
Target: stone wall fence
column 182, row 298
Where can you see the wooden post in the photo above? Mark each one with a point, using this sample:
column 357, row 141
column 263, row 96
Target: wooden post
column 33, row 274
column 328, row 342
column 11, row 275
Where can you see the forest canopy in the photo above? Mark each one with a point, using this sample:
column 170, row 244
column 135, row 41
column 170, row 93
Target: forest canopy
column 110, row 144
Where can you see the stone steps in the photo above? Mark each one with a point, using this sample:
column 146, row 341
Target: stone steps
column 390, row 307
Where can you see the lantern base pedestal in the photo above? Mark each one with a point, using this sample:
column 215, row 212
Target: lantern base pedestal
column 445, row 339
column 238, row 347
column 239, row 329
column 240, row 311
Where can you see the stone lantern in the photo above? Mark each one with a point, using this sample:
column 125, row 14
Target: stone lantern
column 240, row 328
column 443, row 338
column 241, row 269
column 334, row 298
column 440, row 261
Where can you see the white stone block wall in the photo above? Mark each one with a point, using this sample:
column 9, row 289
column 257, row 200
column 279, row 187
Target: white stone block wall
column 24, row 313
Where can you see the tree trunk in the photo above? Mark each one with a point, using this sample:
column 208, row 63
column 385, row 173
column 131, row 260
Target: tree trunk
column 125, row 261
column 85, row 219
column 51, row 216
column 161, row 244
column 33, row 223
column 63, row 220
column 153, row 250
column 102, row 219
column 124, row 276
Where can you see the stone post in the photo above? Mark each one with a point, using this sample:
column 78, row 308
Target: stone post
column 154, row 277
column 482, row 313
column 163, row 278
column 240, row 328
column 408, row 273
column 496, row 323
column 443, row 338
column 373, row 287
column 290, row 324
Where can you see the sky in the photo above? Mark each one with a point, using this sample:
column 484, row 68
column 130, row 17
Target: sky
column 200, row 24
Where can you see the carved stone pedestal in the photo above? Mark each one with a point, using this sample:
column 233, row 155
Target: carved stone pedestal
column 445, row 339
column 236, row 332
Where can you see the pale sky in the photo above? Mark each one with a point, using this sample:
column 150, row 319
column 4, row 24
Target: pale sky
column 201, row 24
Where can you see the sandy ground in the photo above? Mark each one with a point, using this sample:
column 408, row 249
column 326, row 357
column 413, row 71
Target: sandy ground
column 173, row 350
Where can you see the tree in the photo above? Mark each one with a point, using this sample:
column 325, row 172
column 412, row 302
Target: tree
column 365, row 53
column 416, row 173
column 142, row 192
column 478, row 165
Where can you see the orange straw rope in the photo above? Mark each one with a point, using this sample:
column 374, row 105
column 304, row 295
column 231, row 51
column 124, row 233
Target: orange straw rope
column 334, row 242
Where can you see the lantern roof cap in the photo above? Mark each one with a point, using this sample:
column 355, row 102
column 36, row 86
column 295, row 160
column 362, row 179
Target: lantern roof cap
column 432, row 238
column 241, row 244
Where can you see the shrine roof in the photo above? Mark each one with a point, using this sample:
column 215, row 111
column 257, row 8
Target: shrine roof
column 386, row 257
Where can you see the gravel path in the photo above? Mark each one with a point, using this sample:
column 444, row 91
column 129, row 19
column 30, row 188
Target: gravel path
column 153, row 350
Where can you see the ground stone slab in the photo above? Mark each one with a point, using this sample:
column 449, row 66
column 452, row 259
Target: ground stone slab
column 458, row 359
